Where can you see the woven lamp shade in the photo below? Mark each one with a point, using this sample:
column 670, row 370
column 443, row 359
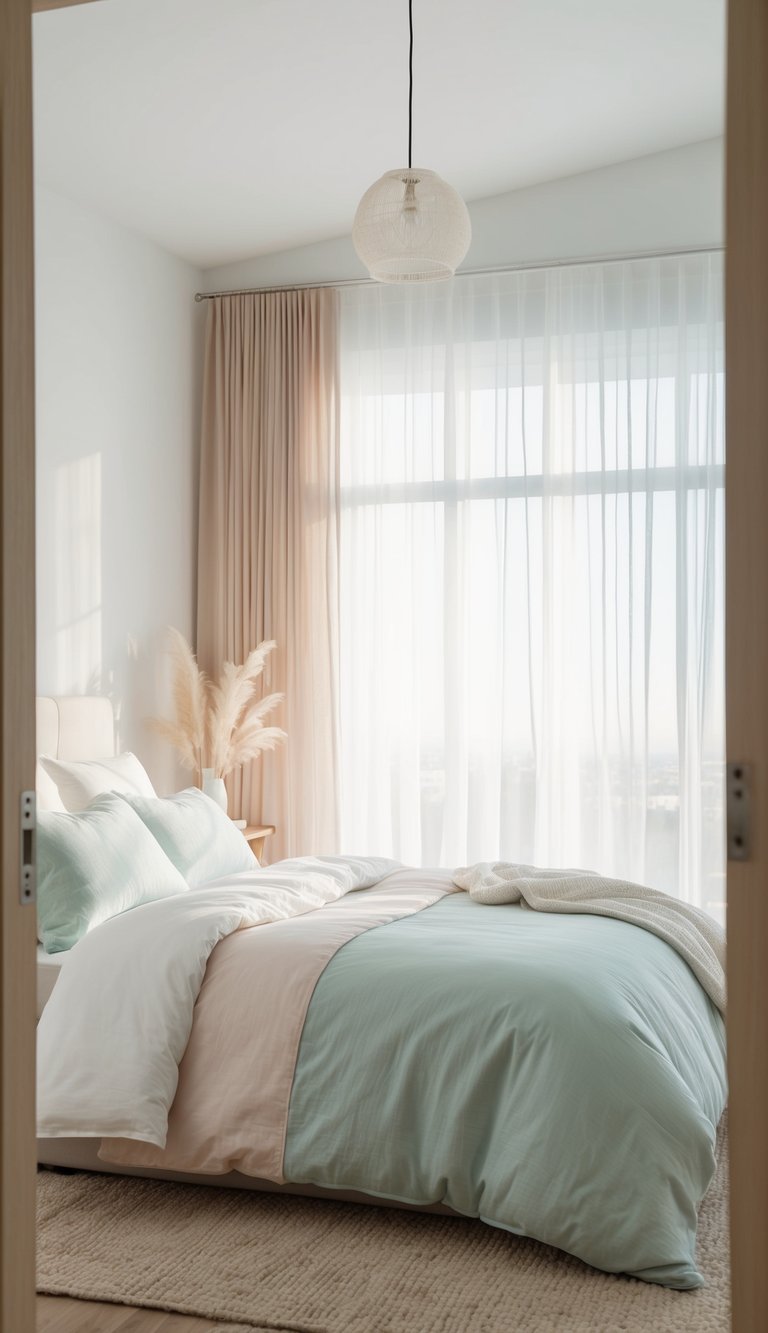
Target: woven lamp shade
column 411, row 226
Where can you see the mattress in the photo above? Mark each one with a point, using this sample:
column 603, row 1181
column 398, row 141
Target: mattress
column 83, row 1155
column 48, row 968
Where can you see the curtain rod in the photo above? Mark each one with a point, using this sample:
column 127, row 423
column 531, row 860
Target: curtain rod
column 470, row 272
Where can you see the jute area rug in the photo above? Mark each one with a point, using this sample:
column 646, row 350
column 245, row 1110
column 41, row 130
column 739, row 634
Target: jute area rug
column 266, row 1262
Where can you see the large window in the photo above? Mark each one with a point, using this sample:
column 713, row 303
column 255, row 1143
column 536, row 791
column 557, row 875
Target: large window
column 532, row 571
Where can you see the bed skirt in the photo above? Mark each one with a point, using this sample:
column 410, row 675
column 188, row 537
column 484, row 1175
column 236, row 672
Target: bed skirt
column 83, row 1155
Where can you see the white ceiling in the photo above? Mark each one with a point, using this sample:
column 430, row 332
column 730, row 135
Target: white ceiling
column 229, row 128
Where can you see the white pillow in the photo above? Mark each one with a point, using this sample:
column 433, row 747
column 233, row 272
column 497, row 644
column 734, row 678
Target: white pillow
column 47, row 792
column 195, row 835
column 81, row 782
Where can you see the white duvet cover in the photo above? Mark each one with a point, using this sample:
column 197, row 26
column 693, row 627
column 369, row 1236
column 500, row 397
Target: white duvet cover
column 108, row 1060
column 48, row 968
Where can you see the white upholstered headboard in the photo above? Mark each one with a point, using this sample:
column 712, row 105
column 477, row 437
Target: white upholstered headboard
column 71, row 727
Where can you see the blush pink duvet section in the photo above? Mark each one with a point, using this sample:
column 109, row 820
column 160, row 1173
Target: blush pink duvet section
column 230, row 1112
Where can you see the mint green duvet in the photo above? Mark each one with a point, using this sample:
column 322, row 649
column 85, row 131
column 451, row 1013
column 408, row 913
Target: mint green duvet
column 560, row 1077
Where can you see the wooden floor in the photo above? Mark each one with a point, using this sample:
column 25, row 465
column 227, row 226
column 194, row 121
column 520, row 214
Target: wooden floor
column 61, row 1314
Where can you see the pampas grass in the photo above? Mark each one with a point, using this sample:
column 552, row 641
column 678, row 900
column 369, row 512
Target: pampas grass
column 218, row 724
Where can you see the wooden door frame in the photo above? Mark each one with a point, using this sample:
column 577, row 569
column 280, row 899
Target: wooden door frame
column 747, row 645
column 39, row 6
column 17, row 670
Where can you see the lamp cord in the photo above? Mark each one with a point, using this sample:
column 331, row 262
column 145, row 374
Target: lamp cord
column 410, row 81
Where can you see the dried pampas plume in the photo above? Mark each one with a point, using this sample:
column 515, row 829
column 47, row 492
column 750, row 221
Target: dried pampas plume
column 218, row 724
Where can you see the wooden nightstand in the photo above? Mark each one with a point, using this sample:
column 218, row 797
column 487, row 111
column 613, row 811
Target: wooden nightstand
column 256, row 835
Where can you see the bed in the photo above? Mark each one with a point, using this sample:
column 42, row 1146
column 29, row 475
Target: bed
column 354, row 1028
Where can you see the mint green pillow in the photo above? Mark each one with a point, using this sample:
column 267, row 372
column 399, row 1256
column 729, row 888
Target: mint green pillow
column 93, row 865
column 195, row 833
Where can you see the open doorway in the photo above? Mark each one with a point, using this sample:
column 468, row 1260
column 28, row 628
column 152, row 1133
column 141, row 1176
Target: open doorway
column 747, row 69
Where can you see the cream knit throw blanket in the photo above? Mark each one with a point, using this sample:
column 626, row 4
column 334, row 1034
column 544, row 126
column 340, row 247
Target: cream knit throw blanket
column 695, row 935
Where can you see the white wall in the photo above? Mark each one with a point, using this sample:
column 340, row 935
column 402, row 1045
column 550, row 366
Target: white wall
column 670, row 200
column 118, row 352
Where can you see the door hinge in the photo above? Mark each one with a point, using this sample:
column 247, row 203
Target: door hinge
column 28, row 879
column 738, row 811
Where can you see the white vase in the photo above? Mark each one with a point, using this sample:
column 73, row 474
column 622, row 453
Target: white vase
column 215, row 788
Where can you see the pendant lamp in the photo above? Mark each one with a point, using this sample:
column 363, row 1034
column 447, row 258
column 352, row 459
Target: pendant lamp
column 411, row 226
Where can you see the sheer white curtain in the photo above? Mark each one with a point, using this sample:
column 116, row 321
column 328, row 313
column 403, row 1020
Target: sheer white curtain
column 532, row 470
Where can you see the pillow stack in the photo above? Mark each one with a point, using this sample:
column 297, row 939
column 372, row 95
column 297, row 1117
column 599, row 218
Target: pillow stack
column 92, row 866
column 119, row 845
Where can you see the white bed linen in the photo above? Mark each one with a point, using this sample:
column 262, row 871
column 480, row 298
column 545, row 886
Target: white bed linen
column 48, row 969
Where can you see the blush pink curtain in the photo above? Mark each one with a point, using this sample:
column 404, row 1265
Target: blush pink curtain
column 268, row 544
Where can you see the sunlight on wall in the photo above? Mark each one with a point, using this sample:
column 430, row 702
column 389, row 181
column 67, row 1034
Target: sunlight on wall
column 77, row 542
